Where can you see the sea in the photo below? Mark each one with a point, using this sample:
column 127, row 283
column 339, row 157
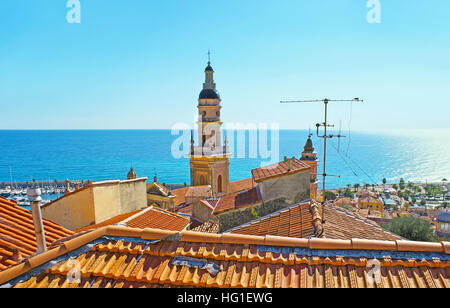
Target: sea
column 96, row 155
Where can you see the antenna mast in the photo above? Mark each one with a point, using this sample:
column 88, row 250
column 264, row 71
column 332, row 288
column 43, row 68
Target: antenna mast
column 325, row 125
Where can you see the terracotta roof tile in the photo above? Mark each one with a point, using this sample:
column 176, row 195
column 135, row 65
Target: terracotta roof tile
column 237, row 200
column 112, row 221
column 290, row 166
column 151, row 217
column 245, row 184
column 207, row 227
column 17, row 232
column 185, row 194
column 304, row 221
column 235, row 261
column 157, row 218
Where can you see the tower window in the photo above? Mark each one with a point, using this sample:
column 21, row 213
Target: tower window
column 219, row 184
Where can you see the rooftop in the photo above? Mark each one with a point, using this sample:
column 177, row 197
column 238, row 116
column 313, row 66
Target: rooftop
column 118, row 257
column 183, row 195
column 237, row 200
column 304, row 221
column 241, row 185
column 288, row 166
column 17, row 233
column 151, row 217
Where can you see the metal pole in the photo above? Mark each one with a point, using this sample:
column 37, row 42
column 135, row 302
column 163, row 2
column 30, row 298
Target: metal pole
column 324, row 160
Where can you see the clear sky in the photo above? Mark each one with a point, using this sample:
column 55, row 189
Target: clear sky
column 137, row 64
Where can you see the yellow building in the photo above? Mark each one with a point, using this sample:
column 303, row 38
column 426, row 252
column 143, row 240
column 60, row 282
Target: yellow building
column 158, row 195
column 209, row 161
column 370, row 202
column 97, row 202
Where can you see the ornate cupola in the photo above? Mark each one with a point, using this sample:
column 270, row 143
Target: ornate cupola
column 310, row 157
column 131, row 174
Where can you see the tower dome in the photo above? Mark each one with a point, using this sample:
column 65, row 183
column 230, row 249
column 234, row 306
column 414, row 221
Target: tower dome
column 209, row 94
column 309, row 145
column 131, row 174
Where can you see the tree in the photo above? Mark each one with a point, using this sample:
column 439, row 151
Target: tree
column 401, row 184
column 348, row 193
column 395, row 186
column 384, row 181
column 409, row 185
column 356, row 187
column 414, row 229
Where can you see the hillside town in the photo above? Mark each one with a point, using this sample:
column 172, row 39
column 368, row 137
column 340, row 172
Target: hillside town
column 273, row 229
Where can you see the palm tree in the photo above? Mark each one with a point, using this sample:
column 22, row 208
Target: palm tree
column 356, row 187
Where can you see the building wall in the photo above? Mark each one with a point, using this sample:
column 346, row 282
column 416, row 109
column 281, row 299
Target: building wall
column 293, row 187
column 133, row 195
column 202, row 212
column 96, row 203
column 74, row 211
column 107, row 201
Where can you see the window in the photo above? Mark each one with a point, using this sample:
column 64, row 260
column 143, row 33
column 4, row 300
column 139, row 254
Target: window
column 219, row 184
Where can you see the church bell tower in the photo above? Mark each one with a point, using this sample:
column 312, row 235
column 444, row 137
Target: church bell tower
column 309, row 156
column 209, row 161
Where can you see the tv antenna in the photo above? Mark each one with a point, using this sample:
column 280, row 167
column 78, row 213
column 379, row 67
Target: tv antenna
column 324, row 136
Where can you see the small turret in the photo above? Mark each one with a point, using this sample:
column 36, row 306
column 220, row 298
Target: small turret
column 131, row 174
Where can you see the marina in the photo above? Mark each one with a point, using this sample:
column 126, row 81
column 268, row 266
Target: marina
column 18, row 191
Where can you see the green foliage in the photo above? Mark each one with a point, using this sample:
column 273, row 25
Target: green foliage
column 384, row 181
column 401, row 184
column 330, row 195
column 414, row 229
column 255, row 214
column 348, row 193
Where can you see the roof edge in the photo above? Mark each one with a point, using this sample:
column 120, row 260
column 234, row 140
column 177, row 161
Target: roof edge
column 198, row 237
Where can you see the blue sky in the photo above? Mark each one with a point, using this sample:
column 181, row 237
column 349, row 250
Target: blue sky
column 138, row 64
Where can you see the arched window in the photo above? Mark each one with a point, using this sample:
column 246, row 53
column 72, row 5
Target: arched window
column 219, row 184
column 202, row 180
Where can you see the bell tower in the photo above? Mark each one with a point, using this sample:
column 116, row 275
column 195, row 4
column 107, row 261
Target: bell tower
column 209, row 161
column 309, row 156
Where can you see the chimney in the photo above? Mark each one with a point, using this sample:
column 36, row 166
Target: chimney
column 34, row 195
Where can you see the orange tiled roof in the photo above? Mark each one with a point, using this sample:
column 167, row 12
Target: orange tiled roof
column 304, row 221
column 207, row 227
column 151, row 217
column 154, row 217
column 182, row 195
column 296, row 221
column 278, row 169
column 112, row 221
column 237, row 200
column 130, row 258
column 17, row 232
column 245, row 184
